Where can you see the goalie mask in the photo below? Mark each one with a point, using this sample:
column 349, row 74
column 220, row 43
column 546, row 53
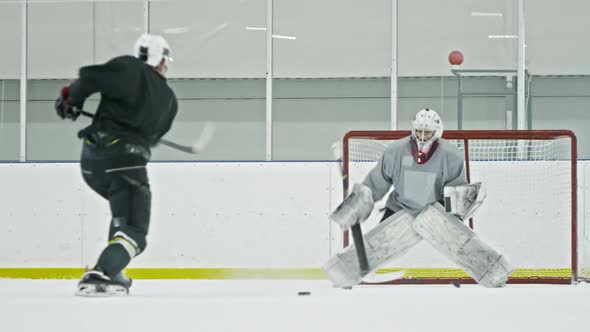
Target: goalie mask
column 427, row 128
column 427, row 121
column 152, row 49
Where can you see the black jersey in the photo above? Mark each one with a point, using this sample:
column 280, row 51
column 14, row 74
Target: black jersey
column 136, row 102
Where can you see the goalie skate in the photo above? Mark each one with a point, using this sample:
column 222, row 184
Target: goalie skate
column 94, row 283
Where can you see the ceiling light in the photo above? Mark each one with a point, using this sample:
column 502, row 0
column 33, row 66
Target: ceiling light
column 502, row 36
column 482, row 14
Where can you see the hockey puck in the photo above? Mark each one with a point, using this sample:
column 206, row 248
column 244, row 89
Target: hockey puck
column 456, row 283
column 303, row 293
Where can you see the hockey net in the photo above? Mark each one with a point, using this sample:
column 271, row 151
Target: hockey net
column 530, row 213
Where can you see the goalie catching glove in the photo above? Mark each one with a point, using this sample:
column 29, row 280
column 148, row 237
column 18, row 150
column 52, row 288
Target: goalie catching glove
column 64, row 107
column 464, row 200
column 356, row 208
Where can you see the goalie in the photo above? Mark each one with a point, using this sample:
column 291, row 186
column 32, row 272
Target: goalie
column 425, row 171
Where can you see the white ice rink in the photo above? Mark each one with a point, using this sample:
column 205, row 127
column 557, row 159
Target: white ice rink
column 191, row 305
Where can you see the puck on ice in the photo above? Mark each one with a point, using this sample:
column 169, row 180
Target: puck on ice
column 303, row 293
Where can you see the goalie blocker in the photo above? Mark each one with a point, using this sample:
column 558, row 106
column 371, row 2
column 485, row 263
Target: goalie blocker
column 356, row 208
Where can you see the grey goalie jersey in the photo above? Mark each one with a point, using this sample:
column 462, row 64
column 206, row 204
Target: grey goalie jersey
column 417, row 183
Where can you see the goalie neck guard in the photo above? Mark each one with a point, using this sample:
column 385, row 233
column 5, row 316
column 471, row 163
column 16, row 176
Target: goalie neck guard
column 420, row 156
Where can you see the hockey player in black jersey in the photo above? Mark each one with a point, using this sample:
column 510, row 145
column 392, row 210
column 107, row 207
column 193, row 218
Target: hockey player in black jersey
column 136, row 109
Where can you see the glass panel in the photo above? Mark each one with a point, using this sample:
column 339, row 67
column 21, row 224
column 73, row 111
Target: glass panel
column 117, row 27
column 341, row 63
column 99, row 31
column 485, row 33
column 213, row 55
column 10, row 39
column 557, row 58
column 58, row 50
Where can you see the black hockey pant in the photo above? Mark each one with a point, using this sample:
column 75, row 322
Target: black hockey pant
column 116, row 170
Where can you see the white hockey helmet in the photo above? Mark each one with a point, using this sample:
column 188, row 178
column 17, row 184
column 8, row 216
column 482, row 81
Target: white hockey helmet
column 427, row 120
column 151, row 49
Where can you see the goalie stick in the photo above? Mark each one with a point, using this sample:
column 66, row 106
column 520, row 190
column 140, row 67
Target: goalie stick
column 197, row 147
column 357, row 235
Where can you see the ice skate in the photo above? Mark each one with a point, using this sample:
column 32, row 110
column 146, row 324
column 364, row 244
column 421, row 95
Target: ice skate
column 95, row 283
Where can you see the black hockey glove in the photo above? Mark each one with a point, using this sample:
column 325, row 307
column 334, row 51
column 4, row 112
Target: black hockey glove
column 63, row 105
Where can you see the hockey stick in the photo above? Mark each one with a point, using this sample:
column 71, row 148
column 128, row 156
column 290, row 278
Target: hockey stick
column 197, row 147
column 383, row 277
column 357, row 233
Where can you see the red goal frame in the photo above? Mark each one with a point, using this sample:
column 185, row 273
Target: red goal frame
column 467, row 135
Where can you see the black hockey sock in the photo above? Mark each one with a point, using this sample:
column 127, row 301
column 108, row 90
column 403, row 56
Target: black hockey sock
column 113, row 259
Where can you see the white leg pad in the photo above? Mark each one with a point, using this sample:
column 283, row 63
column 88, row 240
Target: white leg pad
column 387, row 241
column 460, row 244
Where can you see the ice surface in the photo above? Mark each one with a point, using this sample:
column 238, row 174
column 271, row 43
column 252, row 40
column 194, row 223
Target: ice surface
column 262, row 305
